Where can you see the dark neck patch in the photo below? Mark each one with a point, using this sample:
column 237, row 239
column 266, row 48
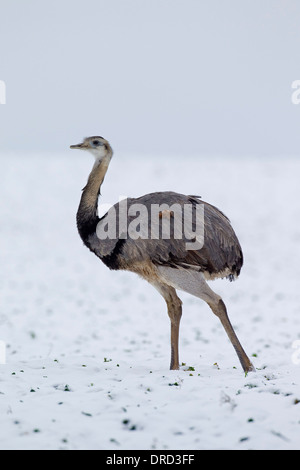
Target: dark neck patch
column 112, row 261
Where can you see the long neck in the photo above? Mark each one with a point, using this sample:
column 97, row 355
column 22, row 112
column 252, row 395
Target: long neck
column 87, row 214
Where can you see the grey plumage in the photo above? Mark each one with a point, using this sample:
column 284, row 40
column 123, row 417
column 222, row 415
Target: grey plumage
column 221, row 255
column 165, row 262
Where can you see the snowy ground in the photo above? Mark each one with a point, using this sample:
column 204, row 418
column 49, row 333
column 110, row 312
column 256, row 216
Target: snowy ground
column 87, row 350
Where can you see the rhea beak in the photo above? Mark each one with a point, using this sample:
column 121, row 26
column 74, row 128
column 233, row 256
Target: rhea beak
column 79, row 146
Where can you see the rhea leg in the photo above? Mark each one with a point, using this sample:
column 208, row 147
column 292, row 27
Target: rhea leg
column 194, row 283
column 174, row 306
column 219, row 309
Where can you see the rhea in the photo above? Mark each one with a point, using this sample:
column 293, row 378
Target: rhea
column 165, row 262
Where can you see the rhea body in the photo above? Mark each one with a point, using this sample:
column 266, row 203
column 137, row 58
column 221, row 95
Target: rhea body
column 164, row 263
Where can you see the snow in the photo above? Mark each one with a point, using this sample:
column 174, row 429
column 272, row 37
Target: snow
column 87, row 349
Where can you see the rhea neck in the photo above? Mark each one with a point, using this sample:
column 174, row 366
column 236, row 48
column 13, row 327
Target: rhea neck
column 87, row 214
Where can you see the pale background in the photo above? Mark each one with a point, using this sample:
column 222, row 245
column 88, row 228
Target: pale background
column 160, row 76
column 88, row 349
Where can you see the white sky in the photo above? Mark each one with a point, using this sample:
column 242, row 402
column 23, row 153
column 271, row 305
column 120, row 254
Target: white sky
column 152, row 76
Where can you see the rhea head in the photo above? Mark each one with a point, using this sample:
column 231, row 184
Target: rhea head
column 97, row 145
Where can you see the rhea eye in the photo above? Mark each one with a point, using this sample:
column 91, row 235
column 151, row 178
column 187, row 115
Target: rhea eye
column 96, row 142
